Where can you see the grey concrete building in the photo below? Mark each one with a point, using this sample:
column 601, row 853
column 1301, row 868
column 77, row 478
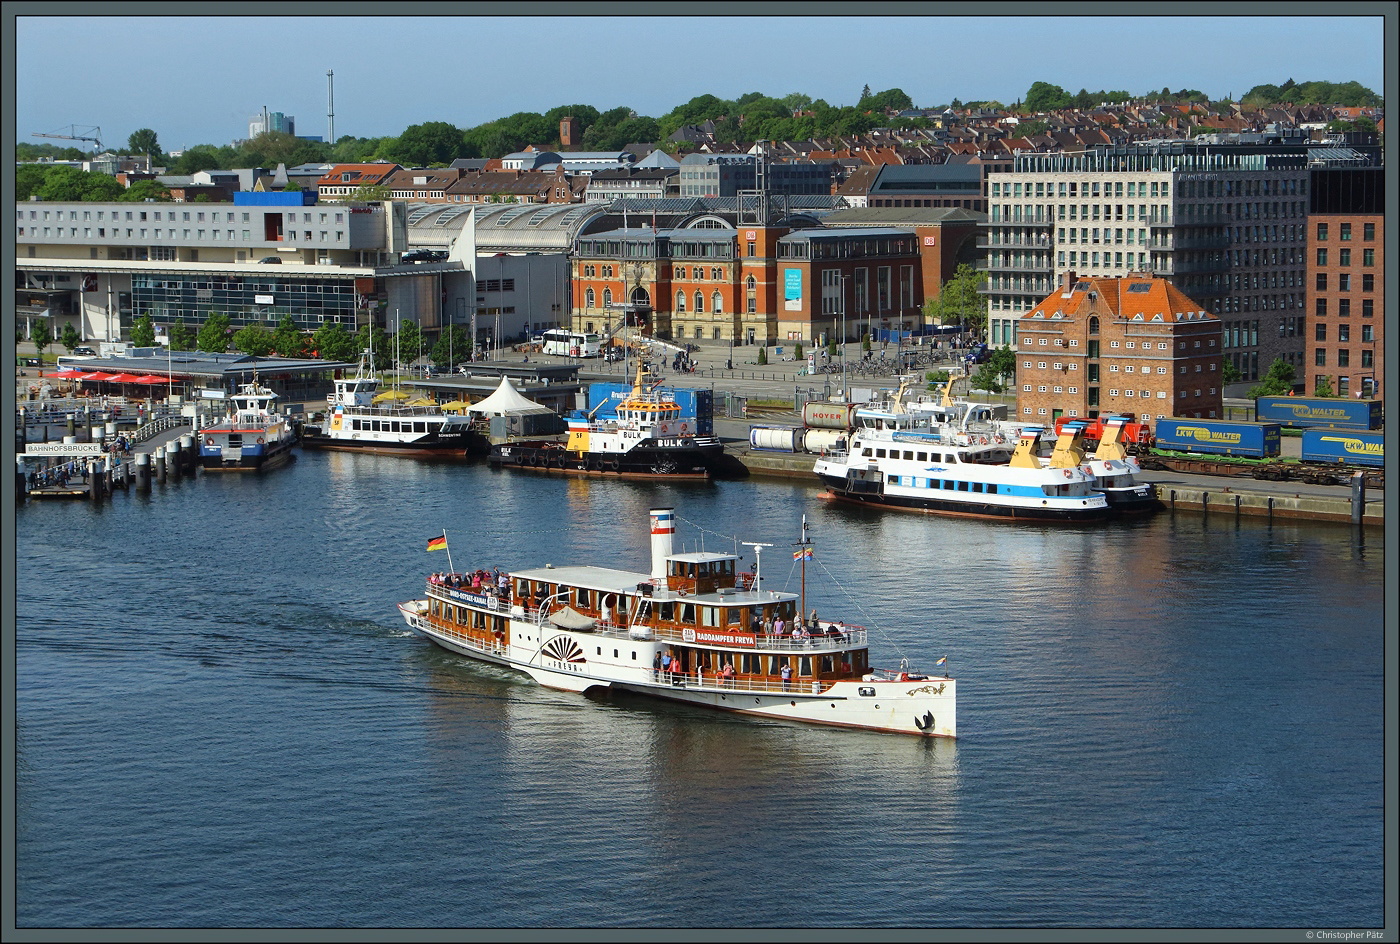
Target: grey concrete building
column 1226, row 227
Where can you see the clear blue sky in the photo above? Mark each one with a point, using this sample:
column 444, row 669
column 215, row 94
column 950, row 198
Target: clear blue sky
column 198, row 80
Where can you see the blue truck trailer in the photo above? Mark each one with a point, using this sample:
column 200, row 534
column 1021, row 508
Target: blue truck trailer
column 1343, row 446
column 1218, row 437
column 1304, row 412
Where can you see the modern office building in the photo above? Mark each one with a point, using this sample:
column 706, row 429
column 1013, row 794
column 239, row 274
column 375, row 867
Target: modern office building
column 1226, row 226
column 100, row 266
column 1131, row 344
column 1346, row 283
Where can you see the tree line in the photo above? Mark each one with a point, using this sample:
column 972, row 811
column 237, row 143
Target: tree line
column 750, row 117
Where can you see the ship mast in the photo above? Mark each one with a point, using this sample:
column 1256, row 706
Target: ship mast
column 803, row 552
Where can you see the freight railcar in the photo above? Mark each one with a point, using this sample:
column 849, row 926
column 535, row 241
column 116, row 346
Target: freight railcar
column 1306, row 412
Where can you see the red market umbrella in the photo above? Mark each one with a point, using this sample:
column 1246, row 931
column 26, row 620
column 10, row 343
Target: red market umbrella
column 97, row 375
column 67, row 374
column 124, row 378
column 152, row 379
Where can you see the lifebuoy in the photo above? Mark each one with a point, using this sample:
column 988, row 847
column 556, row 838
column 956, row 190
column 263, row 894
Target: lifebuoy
column 685, row 427
column 260, row 439
column 1069, row 474
column 208, row 440
column 982, row 440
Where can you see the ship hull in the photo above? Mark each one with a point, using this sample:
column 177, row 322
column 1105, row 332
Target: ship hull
column 643, row 461
column 963, row 509
column 560, row 659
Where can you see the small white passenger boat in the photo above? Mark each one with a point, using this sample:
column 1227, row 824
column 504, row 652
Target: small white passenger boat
column 934, row 461
column 250, row 437
column 358, row 420
column 694, row 630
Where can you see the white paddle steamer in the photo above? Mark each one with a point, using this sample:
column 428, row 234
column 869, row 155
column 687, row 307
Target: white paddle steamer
column 694, row 630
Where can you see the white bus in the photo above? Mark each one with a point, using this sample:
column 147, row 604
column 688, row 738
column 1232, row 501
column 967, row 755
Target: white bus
column 569, row 344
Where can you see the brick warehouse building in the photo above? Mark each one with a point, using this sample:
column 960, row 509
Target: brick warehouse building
column 1346, row 295
column 1130, row 344
column 752, row 285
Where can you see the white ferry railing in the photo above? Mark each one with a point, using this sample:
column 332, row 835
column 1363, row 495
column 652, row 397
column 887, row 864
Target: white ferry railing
column 835, row 639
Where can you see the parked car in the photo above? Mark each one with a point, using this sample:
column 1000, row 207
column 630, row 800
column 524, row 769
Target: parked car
column 270, row 260
column 84, row 352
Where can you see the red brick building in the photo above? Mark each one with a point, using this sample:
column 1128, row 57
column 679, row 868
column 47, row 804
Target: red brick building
column 1345, row 283
column 1132, row 345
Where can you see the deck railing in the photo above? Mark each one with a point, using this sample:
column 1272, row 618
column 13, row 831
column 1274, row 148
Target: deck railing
column 835, row 638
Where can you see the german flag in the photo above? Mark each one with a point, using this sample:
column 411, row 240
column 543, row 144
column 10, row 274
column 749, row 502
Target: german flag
column 438, row 543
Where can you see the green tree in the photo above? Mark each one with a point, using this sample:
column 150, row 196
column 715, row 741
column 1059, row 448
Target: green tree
column 958, row 301
column 69, row 337
column 1229, row 373
column 28, row 179
column 68, row 184
column 40, row 335
column 433, row 142
column 213, row 334
column 253, row 339
column 287, row 339
column 332, row 342
column 143, row 332
column 407, row 341
column 763, row 356
column 451, row 348
column 1277, row 382
column 986, row 378
column 1323, row 386
column 143, row 190
column 182, row 337
column 365, row 193
column 378, row 339
column 1002, row 363
column 143, row 141
column 797, row 351
column 1042, row 96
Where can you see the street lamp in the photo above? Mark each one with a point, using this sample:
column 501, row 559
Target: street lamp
column 844, row 280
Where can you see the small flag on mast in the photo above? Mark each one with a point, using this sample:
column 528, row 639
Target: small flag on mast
column 942, row 661
column 438, row 543
column 802, row 554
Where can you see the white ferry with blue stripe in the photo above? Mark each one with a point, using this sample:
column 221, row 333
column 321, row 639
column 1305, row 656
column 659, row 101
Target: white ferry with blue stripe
column 251, row 437
column 901, row 460
column 695, row 630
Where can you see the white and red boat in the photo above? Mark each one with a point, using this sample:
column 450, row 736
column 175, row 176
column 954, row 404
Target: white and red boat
column 694, row 630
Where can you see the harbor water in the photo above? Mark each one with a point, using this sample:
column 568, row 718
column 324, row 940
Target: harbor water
column 222, row 721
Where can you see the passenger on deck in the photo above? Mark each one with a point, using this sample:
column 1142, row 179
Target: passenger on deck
column 726, row 674
column 778, row 626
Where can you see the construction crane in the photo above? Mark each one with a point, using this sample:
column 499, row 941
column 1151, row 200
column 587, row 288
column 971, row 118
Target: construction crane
column 94, row 134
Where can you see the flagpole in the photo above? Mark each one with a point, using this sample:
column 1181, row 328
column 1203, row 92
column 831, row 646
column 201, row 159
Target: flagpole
column 445, row 547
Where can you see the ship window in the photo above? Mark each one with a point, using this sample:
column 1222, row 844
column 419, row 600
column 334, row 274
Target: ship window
column 804, row 665
column 909, row 454
column 865, row 452
column 707, row 616
column 991, row 489
column 354, row 424
column 374, row 426
column 420, row 427
column 687, row 613
column 962, row 486
column 923, row 457
column 731, row 616
column 667, row 611
column 892, row 480
column 977, row 486
column 879, row 453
